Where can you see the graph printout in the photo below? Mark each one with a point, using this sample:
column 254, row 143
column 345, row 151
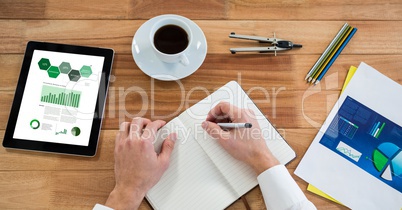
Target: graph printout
column 356, row 155
column 368, row 140
column 59, row 98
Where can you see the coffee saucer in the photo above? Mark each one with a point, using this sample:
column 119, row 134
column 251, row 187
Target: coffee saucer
column 148, row 62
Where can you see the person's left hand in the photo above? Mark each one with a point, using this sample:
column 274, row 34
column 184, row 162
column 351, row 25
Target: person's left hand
column 137, row 166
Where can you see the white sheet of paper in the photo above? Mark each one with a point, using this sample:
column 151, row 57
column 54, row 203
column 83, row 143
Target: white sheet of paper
column 342, row 178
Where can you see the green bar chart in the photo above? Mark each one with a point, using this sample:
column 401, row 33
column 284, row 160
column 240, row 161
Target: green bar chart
column 60, row 96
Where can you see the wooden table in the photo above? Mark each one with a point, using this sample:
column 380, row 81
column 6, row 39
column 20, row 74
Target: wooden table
column 45, row 181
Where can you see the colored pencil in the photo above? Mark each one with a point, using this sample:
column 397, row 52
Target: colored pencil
column 336, row 56
column 332, row 53
column 325, row 52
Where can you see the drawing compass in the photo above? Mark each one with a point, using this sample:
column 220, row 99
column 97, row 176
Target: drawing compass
column 276, row 44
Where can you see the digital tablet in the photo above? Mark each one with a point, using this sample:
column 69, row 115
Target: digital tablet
column 59, row 99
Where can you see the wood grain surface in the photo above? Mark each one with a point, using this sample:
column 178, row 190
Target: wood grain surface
column 30, row 180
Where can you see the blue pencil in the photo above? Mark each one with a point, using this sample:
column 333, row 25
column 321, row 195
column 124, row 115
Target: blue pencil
column 335, row 56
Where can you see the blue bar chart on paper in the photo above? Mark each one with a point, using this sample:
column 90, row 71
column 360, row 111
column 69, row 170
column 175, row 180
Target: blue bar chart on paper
column 368, row 140
column 376, row 130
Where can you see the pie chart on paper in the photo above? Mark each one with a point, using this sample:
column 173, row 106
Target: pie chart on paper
column 387, row 157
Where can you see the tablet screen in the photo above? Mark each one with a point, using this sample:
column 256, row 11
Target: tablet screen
column 59, row 99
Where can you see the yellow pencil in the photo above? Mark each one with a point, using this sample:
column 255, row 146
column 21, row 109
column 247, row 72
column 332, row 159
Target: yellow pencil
column 339, row 44
column 326, row 54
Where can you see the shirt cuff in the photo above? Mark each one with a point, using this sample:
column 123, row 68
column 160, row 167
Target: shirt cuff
column 101, row 207
column 279, row 189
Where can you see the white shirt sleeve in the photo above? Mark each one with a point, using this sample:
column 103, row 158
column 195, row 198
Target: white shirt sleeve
column 101, row 207
column 280, row 190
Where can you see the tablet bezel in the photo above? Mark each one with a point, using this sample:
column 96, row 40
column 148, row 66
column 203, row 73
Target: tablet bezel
column 10, row 142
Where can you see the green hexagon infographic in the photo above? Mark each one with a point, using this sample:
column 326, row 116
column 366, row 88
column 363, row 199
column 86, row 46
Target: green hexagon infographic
column 86, row 71
column 74, row 75
column 44, row 64
column 53, row 71
column 65, row 67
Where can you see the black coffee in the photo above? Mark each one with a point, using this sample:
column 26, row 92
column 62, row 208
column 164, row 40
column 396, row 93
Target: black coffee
column 171, row 39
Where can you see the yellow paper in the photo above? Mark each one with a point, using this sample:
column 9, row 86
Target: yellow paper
column 351, row 72
column 315, row 190
column 310, row 187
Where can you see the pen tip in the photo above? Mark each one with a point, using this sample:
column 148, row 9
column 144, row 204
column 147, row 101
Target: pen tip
column 248, row 125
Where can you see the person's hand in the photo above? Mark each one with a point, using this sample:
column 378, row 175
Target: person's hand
column 137, row 166
column 244, row 144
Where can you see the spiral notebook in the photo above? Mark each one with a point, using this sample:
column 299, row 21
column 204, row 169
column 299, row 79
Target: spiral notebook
column 201, row 174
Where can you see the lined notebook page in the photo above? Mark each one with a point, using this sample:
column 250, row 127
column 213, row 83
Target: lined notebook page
column 240, row 176
column 192, row 181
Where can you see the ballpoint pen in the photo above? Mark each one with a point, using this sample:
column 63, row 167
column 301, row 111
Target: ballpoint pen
column 235, row 125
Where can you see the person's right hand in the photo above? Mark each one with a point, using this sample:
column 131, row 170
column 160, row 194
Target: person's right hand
column 244, row 144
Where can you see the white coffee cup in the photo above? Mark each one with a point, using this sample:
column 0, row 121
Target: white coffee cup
column 171, row 49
